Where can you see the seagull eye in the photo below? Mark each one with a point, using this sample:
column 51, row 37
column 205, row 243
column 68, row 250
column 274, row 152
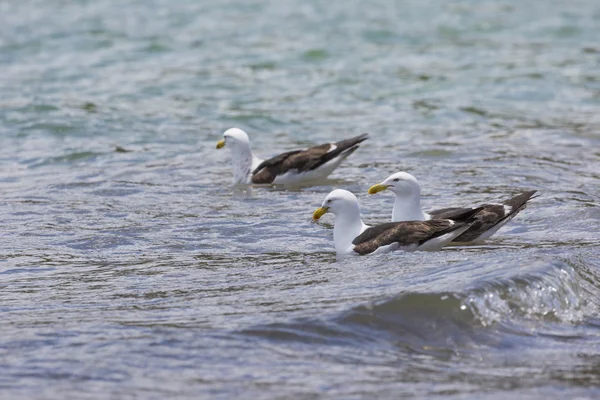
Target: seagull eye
column 329, row 201
column 397, row 180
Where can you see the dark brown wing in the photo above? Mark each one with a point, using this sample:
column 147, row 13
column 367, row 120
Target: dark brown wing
column 374, row 231
column 410, row 232
column 520, row 201
column 489, row 217
column 478, row 226
column 269, row 169
column 404, row 233
column 304, row 160
column 448, row 213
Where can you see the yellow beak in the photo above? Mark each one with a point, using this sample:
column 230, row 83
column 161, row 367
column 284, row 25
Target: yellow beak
column 319, row 212
column 220, row 143
column 377, row 188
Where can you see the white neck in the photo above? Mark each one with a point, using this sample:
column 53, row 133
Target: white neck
column 243, row 161
column 348, row 226
column 407, row 207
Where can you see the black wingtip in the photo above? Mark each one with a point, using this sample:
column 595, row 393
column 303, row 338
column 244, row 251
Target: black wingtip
column 519, row 200
column 360, row 138
column 353, row 141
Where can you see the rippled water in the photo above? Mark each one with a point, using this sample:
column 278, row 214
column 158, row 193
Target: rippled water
column 132, row 268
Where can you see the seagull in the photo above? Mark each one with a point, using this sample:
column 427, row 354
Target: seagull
column 352, row 236
column 407, row 207
column 292, row 167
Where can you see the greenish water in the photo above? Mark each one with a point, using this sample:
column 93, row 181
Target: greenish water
column 131, row 268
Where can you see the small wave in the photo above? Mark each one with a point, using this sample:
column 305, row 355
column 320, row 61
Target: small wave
column 549, row 295
column 444, row 322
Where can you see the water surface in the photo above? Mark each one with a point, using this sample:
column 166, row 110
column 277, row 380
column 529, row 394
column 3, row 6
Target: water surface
column 131, row 268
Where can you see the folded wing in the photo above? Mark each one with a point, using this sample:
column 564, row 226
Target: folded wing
column 300, row 161
column 410, row 233
column 490, row 219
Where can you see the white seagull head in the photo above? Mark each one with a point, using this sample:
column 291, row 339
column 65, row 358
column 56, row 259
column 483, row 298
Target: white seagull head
column 338, row 202
column 401, row 183
column 236, row 138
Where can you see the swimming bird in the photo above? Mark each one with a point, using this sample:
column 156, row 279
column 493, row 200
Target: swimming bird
column 407, row 207
column 292, row 167
column 352, row 236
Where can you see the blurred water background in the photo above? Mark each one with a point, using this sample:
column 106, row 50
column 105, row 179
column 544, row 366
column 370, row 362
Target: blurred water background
column 131, row 268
